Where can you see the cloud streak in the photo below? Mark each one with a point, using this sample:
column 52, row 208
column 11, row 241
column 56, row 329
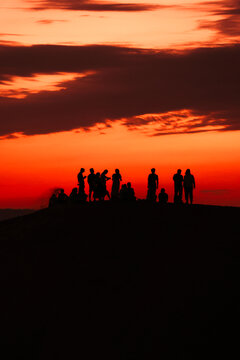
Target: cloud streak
column 190, row 91
column 229, row 24
column 86, row 5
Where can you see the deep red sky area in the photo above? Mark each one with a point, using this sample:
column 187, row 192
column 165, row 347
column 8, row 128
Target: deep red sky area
column 129, row 85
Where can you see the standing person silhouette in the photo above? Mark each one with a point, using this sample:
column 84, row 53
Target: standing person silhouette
column 152, row 185
column 97, row 191
column 81, row 183
column 178, row 186
column 189, row 185
column 91, row 182
column 116, row 179
column 104, row 179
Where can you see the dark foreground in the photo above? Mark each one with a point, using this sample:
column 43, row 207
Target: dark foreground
column 124, row 281
column 11, row 213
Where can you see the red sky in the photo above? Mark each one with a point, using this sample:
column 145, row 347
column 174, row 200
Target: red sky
column 130, row 85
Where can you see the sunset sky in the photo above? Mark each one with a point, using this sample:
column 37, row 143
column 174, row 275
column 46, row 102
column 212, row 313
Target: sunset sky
column 126, row 84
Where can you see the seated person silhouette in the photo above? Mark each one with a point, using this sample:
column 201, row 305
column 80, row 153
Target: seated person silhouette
column 73, row 197
column 178, row 187
column 163, row 197
column 62, row 197
column 130, row 192
column 124, row 193
column 189, row 185
column 152, row 185
column 53, row 200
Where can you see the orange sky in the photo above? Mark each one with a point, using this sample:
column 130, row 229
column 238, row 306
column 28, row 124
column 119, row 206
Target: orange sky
column 33, row 165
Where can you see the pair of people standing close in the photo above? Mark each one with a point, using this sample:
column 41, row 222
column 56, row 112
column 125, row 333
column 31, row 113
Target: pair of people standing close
column 187, row 183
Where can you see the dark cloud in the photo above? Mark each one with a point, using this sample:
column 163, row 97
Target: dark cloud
column 124, row 83
column 87, row 5
column 229, row 24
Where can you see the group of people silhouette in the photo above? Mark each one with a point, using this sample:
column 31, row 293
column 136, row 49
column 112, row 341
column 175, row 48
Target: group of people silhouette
column 98, row 186
column 97, row 183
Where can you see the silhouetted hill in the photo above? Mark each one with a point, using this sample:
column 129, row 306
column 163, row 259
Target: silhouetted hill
column 11, row 213
column 121, row 281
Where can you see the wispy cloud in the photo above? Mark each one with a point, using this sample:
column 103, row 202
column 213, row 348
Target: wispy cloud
column 229, row 22
column 48, row 21
column 88, row 5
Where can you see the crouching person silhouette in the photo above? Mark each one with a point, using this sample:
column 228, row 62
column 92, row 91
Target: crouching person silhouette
column 163, row 197
column 130, row 192
column 53, row 200
column 62, row 197
column 73, row 197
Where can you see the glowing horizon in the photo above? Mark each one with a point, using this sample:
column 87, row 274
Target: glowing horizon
column 119, row 84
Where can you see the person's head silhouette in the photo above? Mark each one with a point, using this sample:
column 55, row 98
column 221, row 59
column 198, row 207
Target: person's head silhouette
column 129, row 185
column 92, row 171
column 82, row 170
column 162, row 190
column 153, row 170
column 188, row 172
column 105, row 171
column 117, row 171
column 179, row 171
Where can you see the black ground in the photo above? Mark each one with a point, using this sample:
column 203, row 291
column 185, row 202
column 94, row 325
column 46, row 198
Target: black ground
column 11, row 213
column 121, row 281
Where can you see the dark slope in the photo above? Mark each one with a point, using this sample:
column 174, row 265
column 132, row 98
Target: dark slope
column 121, row 281
column 11, row 213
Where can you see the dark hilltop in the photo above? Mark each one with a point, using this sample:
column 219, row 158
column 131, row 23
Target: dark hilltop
column 120, row 281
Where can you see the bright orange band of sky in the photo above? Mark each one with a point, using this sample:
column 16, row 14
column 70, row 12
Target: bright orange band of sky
column 33, row 165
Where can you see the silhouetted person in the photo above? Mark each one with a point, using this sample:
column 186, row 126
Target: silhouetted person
column 62, row 197
column 189, row 185
column 97, row 190
column 152, row 185
column 53, row 200
column 178, row 186
column 81, row 182
column 91, row 182
column 73, row 197
column 104, row 179
column 130, row 192
column 163, row 197
column 124, row 193
column 116, row 179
